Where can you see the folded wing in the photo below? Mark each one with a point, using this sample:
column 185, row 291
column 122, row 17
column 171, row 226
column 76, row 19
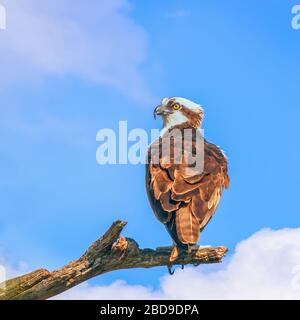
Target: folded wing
column 182, row 196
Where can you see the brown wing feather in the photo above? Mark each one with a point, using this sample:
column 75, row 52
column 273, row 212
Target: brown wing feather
column 186, row 200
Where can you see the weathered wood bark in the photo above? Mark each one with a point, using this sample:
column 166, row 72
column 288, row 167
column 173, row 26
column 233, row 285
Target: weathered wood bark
column 110, row 252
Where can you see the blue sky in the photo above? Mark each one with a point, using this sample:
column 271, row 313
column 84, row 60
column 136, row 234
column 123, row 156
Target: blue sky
column 85, row 68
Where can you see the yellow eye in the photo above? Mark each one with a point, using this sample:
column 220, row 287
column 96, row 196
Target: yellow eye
column 176, row 106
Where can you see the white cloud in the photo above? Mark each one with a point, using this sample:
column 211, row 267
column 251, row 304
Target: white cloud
column 265, row 266
column 94, row 40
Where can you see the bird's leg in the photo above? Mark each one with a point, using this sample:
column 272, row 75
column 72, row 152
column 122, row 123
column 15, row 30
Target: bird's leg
column 195, row 247
column 192, row 247
column 174, row 253
column 173, row 256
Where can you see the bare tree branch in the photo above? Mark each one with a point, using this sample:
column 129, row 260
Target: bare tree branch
column 110, row 252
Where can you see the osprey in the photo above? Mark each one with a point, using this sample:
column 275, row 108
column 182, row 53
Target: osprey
column 184, row 196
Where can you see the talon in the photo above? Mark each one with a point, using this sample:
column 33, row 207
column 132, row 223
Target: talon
column 196, row 264
column 182, row 266
column 170, row 270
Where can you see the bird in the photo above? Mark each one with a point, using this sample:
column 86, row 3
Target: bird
column 182, row 195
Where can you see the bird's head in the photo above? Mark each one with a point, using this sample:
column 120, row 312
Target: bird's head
column 179, row 111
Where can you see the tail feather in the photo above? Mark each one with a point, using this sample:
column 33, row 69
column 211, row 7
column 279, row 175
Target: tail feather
column 172, row 228
column 188, row 226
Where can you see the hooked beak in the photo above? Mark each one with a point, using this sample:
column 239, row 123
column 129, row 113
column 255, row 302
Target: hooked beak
column 158, row 111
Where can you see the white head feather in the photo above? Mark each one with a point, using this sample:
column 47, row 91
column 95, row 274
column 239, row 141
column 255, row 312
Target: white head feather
column 185, row 102
column 177, row 117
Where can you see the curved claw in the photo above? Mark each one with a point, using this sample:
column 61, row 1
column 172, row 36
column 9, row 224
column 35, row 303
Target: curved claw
column 182, row 266
column 170, row 270
column 196, row 264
